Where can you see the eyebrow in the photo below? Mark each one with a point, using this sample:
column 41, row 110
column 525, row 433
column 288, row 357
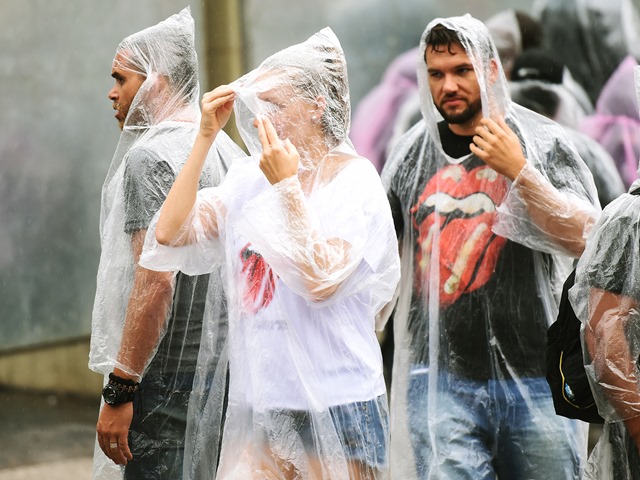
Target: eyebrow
column 462, row 65
column 117, row 76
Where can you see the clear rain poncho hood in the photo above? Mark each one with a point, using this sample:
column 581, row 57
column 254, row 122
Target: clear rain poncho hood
column 144, row 324
column 308, row 263
column 479, row 284
column 606, row 297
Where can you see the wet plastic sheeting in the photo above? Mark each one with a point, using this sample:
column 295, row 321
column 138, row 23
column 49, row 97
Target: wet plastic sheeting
column 308, row 261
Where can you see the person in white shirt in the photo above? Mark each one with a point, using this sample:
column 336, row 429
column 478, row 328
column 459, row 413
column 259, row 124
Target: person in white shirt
column 304, row 231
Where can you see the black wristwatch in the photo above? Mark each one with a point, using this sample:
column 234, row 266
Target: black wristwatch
column 119, row 390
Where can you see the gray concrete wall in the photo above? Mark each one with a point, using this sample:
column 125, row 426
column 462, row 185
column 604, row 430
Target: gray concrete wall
column 57, row 138
column 56, row 142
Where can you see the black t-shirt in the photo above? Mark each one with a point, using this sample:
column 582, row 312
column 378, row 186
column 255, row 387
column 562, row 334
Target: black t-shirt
column 456, row 146
column 496, row 327
column 147, row 181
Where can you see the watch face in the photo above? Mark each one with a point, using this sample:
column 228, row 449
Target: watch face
column 110, row 394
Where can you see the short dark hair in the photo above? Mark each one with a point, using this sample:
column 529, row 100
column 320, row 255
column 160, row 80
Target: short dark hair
column 441, row 36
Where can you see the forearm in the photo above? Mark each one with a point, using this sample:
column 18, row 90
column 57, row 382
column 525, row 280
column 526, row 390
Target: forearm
column 566, row 223
column 316, row 258
column 606, row 340
column 182, row 196
column 149, row 305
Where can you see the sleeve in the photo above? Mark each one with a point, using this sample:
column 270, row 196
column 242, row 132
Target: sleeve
column 611, row 259
column 147, row 181
column 552, row 204
column 330, row 241
column 605, row 297
column 196, row 250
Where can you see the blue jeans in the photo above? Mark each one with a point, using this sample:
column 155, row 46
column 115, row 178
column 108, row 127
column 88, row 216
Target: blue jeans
column 489, row 429
column 362, row 427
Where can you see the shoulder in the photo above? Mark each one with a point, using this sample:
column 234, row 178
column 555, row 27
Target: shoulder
column 405, row 155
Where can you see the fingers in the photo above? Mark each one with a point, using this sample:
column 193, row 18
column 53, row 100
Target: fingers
column 270, row 132
column 478, row 152
column 267, row 134
column 113, row 431
column 123, row 443
column 116, row 448
column 291, row 149
column 218, row 97
column 262, row 135
column 212, row 102
column 221, row 91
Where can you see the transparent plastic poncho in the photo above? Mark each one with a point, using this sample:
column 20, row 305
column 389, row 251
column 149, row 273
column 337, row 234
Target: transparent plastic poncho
column 606, row 298
column 145, row 323
column 590, row 37
column 308, row 263
column 483, row 260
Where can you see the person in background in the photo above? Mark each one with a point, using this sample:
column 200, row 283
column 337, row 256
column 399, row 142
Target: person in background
column 536, row 84
column 590, row 37
column 616, row 123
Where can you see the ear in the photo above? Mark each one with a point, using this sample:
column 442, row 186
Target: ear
column 320, row 106
column 493, row 70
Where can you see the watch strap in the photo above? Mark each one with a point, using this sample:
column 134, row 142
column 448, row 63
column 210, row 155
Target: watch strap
column 124, row 384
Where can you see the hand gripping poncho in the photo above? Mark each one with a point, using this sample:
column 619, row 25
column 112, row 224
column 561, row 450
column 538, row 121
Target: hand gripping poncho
column 482, row 260
column 308, row 263
column 605, row 297
column 144, row 323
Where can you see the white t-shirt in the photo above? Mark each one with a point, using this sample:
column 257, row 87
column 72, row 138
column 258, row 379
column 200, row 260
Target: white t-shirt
column 286, row 349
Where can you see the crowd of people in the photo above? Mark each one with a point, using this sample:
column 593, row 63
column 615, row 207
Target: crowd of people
column 241, row 295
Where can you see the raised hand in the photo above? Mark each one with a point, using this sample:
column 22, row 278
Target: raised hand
column 279, row 159
column 217, row 106
column 499, row 147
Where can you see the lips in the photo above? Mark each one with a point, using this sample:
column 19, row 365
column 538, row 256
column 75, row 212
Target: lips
column 259, row 281
column 453, row 217
column 452, row 101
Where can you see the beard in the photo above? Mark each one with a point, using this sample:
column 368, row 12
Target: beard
column 462, row 117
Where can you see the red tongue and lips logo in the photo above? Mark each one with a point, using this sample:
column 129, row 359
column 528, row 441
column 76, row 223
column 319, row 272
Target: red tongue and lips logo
column 260, row 284
column 457, row 209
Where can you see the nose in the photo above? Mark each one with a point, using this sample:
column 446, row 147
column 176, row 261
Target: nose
column 112, row 95
column 450, row 85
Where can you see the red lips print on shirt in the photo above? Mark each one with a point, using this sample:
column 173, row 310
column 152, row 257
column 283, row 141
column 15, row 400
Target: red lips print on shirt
column 260, row 284
column 460, row 209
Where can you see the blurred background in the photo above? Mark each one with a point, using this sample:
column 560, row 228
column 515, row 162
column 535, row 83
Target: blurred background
column 58, row 134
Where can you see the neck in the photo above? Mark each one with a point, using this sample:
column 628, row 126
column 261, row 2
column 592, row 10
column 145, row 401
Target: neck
column 311, row 156
column 466, row 129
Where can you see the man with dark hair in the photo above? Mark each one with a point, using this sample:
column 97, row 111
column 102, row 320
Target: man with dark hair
column 147, row 325
column 490, row 202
